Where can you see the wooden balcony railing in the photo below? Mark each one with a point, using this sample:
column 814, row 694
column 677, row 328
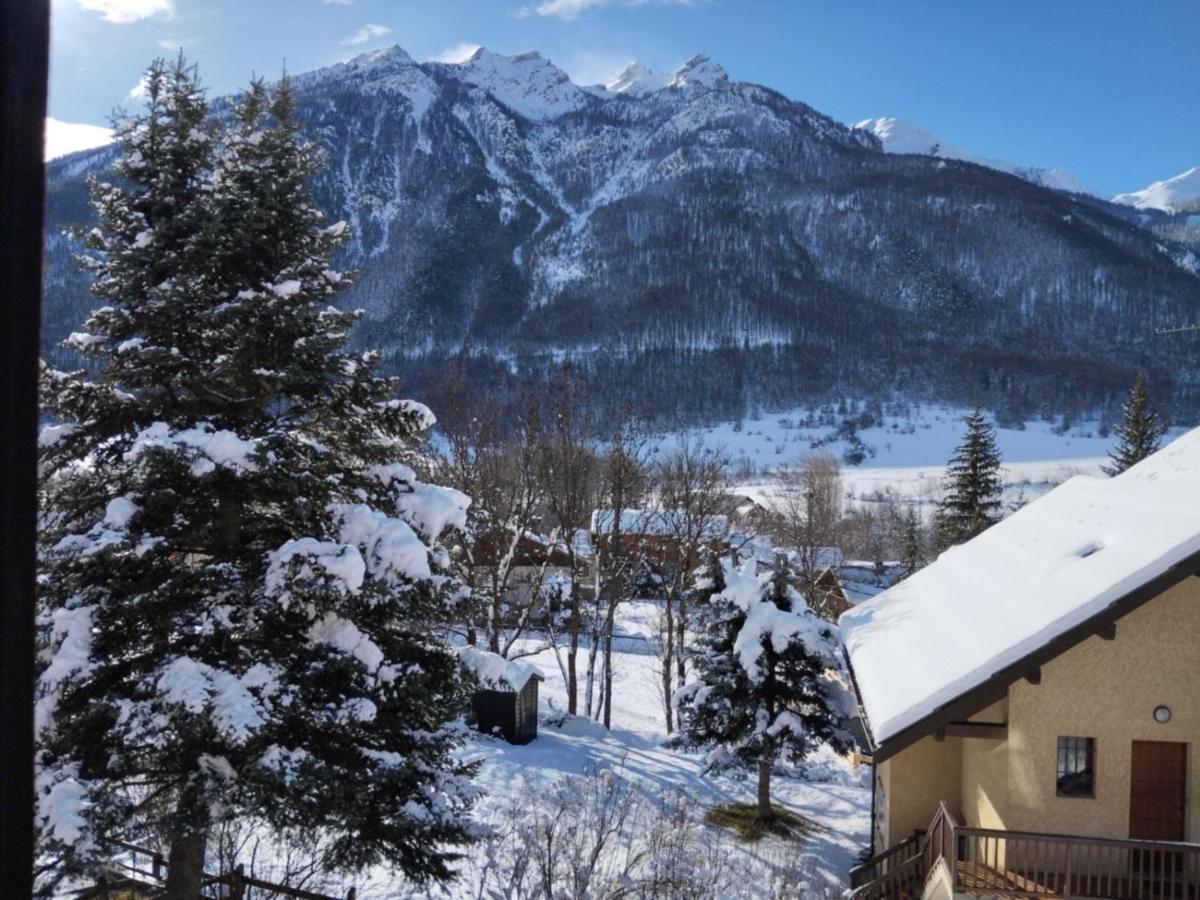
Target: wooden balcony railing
column 1018, row 863
column 886, row 867
column 987, row 862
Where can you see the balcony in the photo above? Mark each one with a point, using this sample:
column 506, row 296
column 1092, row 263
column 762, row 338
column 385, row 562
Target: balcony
column 953, row 860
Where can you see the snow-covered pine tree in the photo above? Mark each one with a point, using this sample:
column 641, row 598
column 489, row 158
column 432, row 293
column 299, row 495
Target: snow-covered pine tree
column 242, row 581
column 912, row 547
column 767, row 680
column 973, row 500
column 1140, row 432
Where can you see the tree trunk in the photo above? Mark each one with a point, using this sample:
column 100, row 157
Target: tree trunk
column 765, row 814
column 668, row 663
column 496, row 623
column 608, row 640
column 573, row 649
column 680, row 635
column 572, row 676
column 185, row 864
column 589, row 690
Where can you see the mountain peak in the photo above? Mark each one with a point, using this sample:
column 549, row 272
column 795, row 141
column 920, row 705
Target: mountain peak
column 395, row 55
column 526, row 83
column 898, row 135
column 700, row 71
column 901, row 136
column 1170, row 195
column 636, row 79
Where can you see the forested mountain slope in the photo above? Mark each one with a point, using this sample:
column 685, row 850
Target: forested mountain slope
column 701, row 246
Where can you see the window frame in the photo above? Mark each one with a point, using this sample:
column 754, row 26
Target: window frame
column 1067, row 764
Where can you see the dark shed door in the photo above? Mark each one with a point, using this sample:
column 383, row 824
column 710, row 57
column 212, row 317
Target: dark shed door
column 1158, row 791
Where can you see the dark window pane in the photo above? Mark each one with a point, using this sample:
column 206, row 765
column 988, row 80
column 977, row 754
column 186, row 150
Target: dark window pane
column 1075, row 768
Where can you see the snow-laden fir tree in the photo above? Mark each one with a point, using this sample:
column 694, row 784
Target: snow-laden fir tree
column 1140, row 432
column 974, row 489
column 767, row 684
column 242, row 581
column 912, row 544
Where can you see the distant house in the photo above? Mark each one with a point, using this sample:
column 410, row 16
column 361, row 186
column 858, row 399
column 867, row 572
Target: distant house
column 535, row 562
column 657, row 532
column 744, row 511
column 1033, row 699
column 827, row 595
column 506, row 701
column 863, row 579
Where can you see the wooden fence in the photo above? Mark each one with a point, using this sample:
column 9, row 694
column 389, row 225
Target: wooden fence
column 138, row 878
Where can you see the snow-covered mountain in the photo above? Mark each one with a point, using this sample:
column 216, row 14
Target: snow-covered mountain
column 63, row 138
column 702, row 246
column 1178, row 194
column 902, row 136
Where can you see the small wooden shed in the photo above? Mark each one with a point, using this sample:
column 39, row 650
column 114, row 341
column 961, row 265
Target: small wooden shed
column 506, row 701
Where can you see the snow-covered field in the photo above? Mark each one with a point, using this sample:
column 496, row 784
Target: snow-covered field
column 924, row 437
column 906, row 455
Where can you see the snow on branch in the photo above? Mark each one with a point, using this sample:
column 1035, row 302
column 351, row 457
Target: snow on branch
column 207, row 447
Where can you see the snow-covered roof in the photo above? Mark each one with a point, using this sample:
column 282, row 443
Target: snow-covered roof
column 494, row 671
column 1047, row 568
column 656, row 521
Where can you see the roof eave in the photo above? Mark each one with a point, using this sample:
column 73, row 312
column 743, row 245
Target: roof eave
column 996, row 686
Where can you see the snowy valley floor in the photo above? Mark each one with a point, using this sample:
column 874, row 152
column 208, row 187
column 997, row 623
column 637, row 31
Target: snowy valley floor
column 830, row 794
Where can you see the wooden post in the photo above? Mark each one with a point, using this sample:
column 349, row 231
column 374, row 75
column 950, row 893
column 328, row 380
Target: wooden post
column 24, row 52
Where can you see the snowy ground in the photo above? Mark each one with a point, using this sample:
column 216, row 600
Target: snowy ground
column 925, row 436
column 831, row 795
column 834, row 797
column 864, row 485
column 907, row 454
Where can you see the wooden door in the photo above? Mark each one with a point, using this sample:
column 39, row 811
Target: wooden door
column 1158, row 791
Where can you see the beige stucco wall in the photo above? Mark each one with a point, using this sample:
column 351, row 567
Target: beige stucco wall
column 913, row 782
column 984, row 775
column 1106, row 690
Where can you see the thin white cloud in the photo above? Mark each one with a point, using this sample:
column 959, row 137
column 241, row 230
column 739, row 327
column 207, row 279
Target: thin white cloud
column 70, row 137
column 590, row 67
column 176, row 43
column 456, row 54
column 125, row 12
column 573, row 9
column 365, row 34
column 138, row 91
column 337, row 2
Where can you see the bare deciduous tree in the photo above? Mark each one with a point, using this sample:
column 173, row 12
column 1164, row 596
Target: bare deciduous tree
column 808, row 513
column 690, row 482
column 496, row 464
column 568, row 470
column 618, row 554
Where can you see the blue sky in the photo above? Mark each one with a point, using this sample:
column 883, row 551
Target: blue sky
column 1107, row 90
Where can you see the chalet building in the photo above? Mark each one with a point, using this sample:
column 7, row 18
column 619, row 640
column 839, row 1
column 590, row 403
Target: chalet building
column 535, row 563
column 1032, row 699
column 862, row 579
column 656, row 532
column 826, row 594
